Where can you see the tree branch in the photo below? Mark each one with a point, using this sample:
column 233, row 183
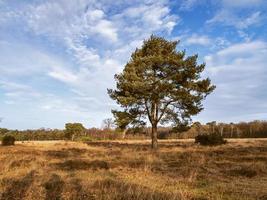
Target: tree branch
column 148, row 112
column 163, row 111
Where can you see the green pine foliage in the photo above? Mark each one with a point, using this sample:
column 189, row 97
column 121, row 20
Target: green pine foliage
column 162, row 85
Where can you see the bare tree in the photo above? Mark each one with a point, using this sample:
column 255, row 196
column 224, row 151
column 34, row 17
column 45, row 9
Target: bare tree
column 212, row 126
column 232, row 128
column 221, row 128
column 108, row 124
column 198, row 127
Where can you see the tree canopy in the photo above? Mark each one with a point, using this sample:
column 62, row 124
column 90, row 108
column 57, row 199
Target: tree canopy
column 162, row 85
column 72, row 129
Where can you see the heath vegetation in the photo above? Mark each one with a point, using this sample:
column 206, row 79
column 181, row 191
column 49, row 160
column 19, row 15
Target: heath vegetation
column 179, row 169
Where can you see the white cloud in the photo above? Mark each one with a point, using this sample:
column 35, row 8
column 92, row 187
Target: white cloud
column 68, row 18
column 243, row 49
column 240, row 14
column 239, row 72
column 63, row 75
column 80, row 26
column 229, row 18
column 189, row 4
column 14, row 91
column 237, row 52
column 198, row 40
column 137, row 22
column 253, row 19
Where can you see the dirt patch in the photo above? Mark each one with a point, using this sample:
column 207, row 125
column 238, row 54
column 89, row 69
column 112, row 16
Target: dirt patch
column 18, row 188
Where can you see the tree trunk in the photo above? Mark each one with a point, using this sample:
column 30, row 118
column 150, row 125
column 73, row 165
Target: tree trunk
column 124, row 133
column 221, row 131
column 250, row 131
column 154, row 137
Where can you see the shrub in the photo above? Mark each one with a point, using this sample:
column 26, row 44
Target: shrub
column 85, row 139
column 210, row 140
column 73, row 129
column 8, row 140
column 163, row 135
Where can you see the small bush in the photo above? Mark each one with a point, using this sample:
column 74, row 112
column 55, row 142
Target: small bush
column 163, row 135
column 85, row 139
column 8, row 140
column 210, row 140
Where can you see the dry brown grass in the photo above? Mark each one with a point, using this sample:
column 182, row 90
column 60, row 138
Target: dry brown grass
column 131, row 170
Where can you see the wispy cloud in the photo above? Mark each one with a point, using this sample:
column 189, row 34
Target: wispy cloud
column 240, row 14
column 229, row 18
column 239, row 71
column 90, row 40
column 198, row 40
column 187, row 5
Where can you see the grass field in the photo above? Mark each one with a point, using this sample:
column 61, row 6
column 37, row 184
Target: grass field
column 130, row 170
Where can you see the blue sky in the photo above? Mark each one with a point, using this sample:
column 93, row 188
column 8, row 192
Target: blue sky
column 58, row 57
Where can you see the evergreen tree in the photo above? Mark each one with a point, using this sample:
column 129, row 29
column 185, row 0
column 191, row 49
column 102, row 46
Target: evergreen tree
column 162, row 85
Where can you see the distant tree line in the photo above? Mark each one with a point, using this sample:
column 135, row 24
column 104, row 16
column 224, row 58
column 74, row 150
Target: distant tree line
column 253, row 129
column 76, row 131
column 38, row 134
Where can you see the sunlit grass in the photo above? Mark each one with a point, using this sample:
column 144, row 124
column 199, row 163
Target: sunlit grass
column 131, row 170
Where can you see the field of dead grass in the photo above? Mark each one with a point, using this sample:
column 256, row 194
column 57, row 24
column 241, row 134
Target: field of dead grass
column 131, row 170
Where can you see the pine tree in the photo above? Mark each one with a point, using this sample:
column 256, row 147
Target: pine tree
column 162, row 85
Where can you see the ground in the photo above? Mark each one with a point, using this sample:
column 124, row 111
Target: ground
column 180, row 169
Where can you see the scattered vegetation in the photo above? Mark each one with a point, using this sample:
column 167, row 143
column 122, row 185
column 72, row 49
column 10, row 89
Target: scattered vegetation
column 112, row 170
column 210, row 140
column 8, row 140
